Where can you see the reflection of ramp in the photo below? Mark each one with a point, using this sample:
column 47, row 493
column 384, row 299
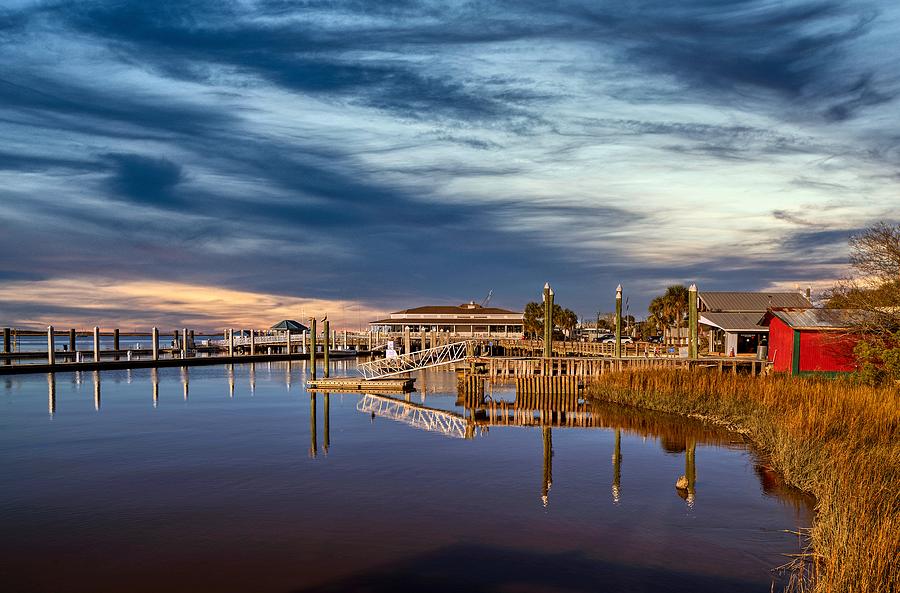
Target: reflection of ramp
column 417, row 416
column 423, row 359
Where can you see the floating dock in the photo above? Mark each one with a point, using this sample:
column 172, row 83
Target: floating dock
column 345, row 384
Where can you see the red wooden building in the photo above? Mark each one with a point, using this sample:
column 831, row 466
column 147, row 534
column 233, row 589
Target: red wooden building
column 811, row 340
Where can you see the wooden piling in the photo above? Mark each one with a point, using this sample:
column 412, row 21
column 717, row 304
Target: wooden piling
column 184, row 343
column 72, row 346
column 252, row 342
column 154, row 333
column 312, row 347
column 6, row 340
column 51, row 346
column 325, row 327
column 96, row 344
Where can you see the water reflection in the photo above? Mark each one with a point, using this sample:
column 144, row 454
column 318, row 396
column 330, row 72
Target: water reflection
column 51, row 389
column 550, row 410
column 327, row 404
column 186, row 381
column 617, row 468
column 313, row 440
column 97, row 390
column 154, row 379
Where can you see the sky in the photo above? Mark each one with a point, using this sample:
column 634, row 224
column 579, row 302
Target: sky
column 217, row 163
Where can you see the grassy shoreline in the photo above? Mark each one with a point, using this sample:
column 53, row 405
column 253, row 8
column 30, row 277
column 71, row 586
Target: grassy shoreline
column 837, row 440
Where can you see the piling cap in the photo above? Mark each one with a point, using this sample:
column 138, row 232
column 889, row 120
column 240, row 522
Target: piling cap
column 546, row 286
column 619, row 290
column 693, row 288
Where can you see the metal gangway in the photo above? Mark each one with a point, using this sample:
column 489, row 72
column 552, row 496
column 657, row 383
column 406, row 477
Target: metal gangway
column 420, row 417
column 423, row 359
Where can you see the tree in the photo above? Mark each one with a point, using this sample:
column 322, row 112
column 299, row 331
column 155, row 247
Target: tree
column 670, row 308
column 873, row 293
column 564, row 319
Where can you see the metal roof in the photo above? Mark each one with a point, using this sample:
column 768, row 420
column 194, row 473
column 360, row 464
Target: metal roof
column 751, row 301
column 816, row 318
column 733, row 322
column 290, row 324
column 466, row 309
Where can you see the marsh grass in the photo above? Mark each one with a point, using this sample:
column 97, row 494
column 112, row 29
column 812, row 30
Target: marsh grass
column 835, row 439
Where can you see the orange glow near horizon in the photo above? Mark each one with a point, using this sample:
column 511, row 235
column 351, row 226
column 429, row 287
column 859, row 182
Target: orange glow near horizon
column 111, row 303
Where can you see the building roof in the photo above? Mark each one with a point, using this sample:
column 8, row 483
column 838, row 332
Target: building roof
column 290, row 324
column 733, row 322
column 464, row 309
column 751, row 301
column 447, row 321
column 821, row 319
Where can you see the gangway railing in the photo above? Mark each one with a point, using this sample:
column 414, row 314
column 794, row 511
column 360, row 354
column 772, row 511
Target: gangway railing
column 423, row 359
column 420, row 417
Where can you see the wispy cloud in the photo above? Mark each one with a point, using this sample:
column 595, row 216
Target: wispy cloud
column 392, row 153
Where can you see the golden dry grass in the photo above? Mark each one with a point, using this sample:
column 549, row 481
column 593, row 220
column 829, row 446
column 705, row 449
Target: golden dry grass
column 836, row 439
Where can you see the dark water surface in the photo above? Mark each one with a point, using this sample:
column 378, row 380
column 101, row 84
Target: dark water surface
column 104, row 489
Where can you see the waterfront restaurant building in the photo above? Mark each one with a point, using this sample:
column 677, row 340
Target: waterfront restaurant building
column 731, row 320
column 469, row 319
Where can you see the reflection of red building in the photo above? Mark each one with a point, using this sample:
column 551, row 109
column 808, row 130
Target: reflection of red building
column 811, row 340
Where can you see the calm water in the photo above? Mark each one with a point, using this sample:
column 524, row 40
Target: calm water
column 221, row 488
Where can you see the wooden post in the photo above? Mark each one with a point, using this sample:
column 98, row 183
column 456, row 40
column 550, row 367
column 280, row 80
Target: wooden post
column 6, row 340
column 154, row 333
column 96, row 344
column 312, row 348
column 548, row 336
column 327, row 347
column 693, row 318
column 406, row 340
column 184, row 343
column 116, row 339
column 230, row 341
column 618, row 351
column 51, row 346
column 72, row 346
column 252, row 342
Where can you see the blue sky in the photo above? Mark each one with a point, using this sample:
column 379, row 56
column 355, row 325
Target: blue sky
column 215, row 163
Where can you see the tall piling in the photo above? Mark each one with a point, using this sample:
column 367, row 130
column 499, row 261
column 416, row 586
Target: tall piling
column 548, row 345
column 325, row 326
column 184, row 343
column 51, row 346
column 407, row 341
column 252, row 342
column 96, row 344
column 116, row 339
column 694, row 350
column 72, row 346
column 6, row 340
column 230, row 341
column 312, row 348
column 618, row 351
column 154, row 338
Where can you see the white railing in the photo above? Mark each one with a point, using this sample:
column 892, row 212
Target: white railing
column 419, row 417
column 423, row 359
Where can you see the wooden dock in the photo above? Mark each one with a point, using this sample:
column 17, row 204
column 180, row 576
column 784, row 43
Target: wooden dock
column 359, row 384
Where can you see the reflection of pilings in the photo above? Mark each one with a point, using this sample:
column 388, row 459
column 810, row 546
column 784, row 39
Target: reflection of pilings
column 313, row 444
column 186, row 380
column 327, row 405
column 686, row 484
column 547, row 481
column 231, row 381
column 154, row 378
column 252, row 379
column 287, row 375
column 97, row 390
column 617, row 468
column 51, row 393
